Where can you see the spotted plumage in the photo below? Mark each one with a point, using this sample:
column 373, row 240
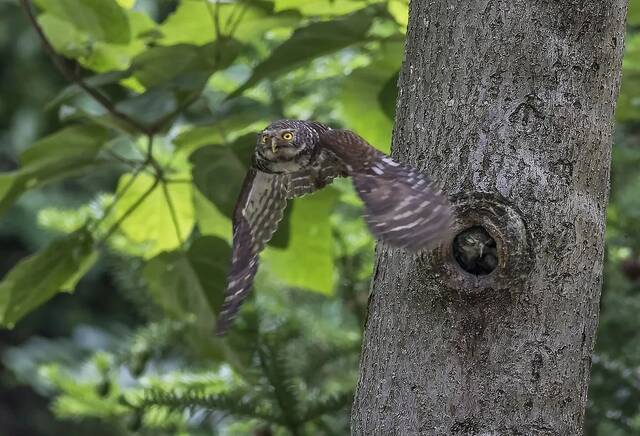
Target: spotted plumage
column 293, row 158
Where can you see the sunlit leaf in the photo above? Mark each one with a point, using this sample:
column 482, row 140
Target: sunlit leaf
column 150, row 221
column 308, row 260
column 54, row 157
column 193, row 21
column 366, row 90
column 399, row 10
column 104, row 20
column 36, row 279
column 322, row 7
column 310, row 42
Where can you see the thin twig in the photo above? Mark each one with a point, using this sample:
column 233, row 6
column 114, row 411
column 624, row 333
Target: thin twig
column 129, row 211
column 172, row 209
column 214, row 11
column 73, row 76
column 170, row 180
column 133, row 163
column 234, row 26
column 117, row 196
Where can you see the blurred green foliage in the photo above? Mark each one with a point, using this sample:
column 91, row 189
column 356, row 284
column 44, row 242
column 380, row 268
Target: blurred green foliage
column 126, row 195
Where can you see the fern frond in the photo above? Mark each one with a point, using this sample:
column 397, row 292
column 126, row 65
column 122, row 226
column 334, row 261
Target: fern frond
column 238, row 403
column 328, row 404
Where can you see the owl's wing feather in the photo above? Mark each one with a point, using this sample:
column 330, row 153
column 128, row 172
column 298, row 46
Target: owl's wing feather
column 259, row 209
column 308, row 180
column 402, row 207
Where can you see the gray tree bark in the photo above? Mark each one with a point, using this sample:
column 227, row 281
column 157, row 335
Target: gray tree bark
column 508, row 104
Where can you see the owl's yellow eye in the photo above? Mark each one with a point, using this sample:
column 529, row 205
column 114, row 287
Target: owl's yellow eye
column 287, row 136
column 264, row 139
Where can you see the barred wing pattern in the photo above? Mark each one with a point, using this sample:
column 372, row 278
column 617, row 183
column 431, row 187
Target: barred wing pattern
column 258, row 212
column 402, row 207
column 311, row 179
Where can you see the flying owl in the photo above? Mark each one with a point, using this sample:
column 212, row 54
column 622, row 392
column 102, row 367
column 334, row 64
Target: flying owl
column 293, row 158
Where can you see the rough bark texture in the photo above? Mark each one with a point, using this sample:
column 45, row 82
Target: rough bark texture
column 509, row 105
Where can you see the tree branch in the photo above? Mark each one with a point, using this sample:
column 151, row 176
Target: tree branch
column 129, row 211
column 73, row 76
column 172, row 209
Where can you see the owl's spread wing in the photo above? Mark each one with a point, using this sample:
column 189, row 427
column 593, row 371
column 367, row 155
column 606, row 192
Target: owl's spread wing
column 326, row 168
column 259, row 209
column 402, row 207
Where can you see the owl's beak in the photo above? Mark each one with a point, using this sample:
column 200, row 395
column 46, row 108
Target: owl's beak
column 274, row 146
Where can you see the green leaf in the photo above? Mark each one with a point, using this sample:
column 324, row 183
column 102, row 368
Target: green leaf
column 363, row 93
column 98, row 80
column 322, row 7
column 75, row 143
column 210, row 258
column 150, row 107
column 210, row 220
column 193, row 22
column 633, row 14
column 37, row 278
column 93, row 54
column 218, row 173
column 182, row 63
column 174, row 285
column 311, row 245
column 59, row 155
column 104, row 20
column 151, row 222
column 197, row 136
column 399, row 10
column 174, row 76
column 310, row 42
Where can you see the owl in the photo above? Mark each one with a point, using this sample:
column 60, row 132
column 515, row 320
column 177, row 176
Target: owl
column 293, row 158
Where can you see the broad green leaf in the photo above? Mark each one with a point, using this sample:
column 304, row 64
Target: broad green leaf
column 362, row 94
column 239, row 113
column 193, row 22
column 59, row 155
column 98, row 55
column 36, row 279
column 183, row 64
column 151, row 222
column 187, row 285
column 104, row 20
column 308, row 261
column 173, row 76
column 633, row 14
column 174, row 285
column 322, row 7
column 310, row 42
column 210, row 259
column 98, row 80
column 197, row 136
column 11, row 187
column 210, row 220
column 128, row 4
column 150, row 107
column 399, row 10
column 80, row 142
column 64, row 38
column 218, row 174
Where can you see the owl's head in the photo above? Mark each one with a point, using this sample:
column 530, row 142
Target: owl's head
column 283, row 140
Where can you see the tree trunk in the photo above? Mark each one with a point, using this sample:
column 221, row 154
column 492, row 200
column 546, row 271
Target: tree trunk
column 509, row 106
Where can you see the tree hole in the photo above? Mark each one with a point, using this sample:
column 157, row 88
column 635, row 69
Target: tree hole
column 475, row 251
